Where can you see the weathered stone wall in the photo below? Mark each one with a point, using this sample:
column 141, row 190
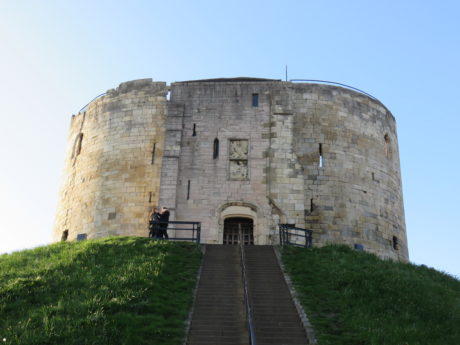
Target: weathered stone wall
column 317, row 156
column 285, row 174
column 110, row 181
column 320, row 156
column 355, row 197
column 222, row 111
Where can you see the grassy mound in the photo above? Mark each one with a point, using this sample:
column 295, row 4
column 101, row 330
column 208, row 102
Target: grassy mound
column 121, row 290
column 354, row 298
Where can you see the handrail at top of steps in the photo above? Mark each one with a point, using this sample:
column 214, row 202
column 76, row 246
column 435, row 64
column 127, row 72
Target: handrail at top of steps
column 294, row 236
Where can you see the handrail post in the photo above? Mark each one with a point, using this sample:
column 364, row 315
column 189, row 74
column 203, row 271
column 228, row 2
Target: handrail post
column 281, row 234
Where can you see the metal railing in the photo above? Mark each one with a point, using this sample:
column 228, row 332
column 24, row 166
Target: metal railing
column 290, row 235
column 251, row 328
column 86, row 106
column 334, row 83
column 181, row 231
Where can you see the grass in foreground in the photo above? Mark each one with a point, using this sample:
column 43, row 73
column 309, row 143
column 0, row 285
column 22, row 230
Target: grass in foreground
column 354, row 298
column 120, row 290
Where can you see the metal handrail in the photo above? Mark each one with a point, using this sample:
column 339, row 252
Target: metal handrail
column 287, row 231
column 84, row 108
column 334, row 83
column 251, row 328
column 182, row 226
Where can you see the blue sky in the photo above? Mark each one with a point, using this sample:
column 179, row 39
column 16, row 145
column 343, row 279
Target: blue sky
column 58, row 55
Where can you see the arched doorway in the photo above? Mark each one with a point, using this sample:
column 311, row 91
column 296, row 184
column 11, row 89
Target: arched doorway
column 238, row 230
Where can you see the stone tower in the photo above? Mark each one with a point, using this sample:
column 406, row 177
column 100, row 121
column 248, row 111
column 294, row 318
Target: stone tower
column 318, row 156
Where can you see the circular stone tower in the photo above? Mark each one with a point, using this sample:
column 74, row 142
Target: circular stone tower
column 112, row 164
column 239, row 151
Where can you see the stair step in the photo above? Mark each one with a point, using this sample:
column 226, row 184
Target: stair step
column 219, row 315
column 275, row 316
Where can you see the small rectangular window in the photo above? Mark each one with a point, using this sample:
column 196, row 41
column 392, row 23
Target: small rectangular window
column 255, row 99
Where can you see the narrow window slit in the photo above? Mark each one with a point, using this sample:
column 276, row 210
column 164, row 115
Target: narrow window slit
column 77, row 145
column 386, row 137
column 373, row 177
column 312, row 205
column 194, row 130
column 65, row 235
column 395, row 243
column 215, row 154
column 320, row 155
column 153, row 153
column 80, row 139
column 150, row 197
column 188, row 190
column 387, row 148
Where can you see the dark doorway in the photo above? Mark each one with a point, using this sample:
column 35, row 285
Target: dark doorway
column 238, row 230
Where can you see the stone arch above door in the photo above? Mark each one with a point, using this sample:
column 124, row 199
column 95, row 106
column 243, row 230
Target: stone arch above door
column 236, row 209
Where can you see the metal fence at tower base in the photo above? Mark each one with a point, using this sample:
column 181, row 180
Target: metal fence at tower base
column 176, row 231
column 293, row 236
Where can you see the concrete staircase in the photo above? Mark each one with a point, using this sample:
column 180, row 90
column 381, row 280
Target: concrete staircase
column 219, row 315
column 275, row 317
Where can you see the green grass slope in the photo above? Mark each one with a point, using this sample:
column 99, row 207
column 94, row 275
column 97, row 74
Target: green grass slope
column 123, row 290
column 354, row 298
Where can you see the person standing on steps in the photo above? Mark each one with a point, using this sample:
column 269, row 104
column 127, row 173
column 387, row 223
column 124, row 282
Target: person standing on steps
column 154, row 229
column 164, row 218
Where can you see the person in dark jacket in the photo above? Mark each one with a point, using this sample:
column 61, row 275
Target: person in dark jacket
column 154, row 229
column 164, row 217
